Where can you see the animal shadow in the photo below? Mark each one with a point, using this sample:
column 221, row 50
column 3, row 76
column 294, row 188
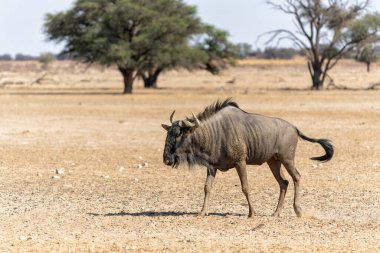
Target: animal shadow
column 161, row 214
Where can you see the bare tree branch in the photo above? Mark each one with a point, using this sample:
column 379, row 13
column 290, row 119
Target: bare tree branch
column 321, row 30
column 276, row 33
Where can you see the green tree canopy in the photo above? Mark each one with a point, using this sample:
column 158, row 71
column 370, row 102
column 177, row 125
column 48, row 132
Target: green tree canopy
column 136, row 35
column 209, row 50
column 362, row 28
column 218, row 51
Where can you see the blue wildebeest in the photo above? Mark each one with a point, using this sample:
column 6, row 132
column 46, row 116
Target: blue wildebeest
column 224, row 136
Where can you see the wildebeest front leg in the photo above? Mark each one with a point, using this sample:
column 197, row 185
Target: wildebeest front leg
column 211, row 173
column 275, row 167
column 242, row 171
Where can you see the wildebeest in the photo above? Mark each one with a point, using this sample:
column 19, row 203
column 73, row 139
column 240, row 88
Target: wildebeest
column 224, row 136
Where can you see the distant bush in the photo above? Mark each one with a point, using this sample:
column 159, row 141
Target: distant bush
column 66, row 56
column 24, row 57
column 278, row 53
column 45, row 59
column 5, row 57
column 244, row 50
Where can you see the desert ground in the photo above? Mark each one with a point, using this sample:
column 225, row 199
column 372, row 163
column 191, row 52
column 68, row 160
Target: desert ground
column 81, row 165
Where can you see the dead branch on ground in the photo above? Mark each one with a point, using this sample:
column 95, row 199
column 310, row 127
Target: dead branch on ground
column 332, row 85
column 43, row 78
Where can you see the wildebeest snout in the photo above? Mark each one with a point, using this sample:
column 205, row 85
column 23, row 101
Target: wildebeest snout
column 169, row 160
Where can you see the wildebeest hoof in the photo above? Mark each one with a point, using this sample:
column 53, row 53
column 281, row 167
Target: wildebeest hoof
column 298, row 211
column 251, row 213
column 202, row 214
column 276, row 214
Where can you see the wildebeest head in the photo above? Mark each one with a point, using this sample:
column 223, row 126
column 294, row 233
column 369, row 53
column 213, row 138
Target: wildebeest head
column 178, row 141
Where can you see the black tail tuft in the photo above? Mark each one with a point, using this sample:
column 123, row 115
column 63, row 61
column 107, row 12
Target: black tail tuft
column 326, row 145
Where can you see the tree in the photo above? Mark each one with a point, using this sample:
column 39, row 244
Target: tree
column 218, row 51
column 135, row 35
column 168, row 58
column 212, row 52
column 322, row 31
column 367, row 55
column 366, row 50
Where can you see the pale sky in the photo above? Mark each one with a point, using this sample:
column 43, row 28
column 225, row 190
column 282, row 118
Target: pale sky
column 21, row 21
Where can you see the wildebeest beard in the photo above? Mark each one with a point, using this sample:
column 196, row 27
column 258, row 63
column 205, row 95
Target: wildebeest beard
column 189, row 159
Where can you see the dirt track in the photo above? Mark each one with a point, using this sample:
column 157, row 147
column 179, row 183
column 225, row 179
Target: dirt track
column 103, row 202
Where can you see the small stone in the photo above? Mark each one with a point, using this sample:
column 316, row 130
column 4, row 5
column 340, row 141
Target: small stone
column 140, row 157
column 56, row 177
column 60, row 171
column 70, row 172
column 121, row 168
column 367, row 147
column 106, row 176
column 315, row 166
column 39, row 174
column 145, row 164
column 136, row 179
column 139, row 166
column 23, row 238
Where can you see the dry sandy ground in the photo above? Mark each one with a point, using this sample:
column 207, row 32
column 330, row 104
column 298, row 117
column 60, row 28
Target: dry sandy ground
column 103, row 202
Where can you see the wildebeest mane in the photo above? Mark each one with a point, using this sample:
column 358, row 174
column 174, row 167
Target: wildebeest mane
column 214, row 108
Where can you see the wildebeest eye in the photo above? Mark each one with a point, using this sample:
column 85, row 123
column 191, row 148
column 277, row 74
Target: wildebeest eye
column 177, row 133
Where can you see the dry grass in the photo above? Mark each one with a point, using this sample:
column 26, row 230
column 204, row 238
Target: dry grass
column 79, row 122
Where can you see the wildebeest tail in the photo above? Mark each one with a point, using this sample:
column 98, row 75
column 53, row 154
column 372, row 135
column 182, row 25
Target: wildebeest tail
column 326, row 145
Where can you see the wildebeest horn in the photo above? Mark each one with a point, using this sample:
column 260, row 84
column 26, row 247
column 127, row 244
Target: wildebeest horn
column 188, row 123
column 196, row 120
column 171, row 117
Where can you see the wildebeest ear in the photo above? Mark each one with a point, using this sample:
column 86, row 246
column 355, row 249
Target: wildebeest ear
column 166, row 127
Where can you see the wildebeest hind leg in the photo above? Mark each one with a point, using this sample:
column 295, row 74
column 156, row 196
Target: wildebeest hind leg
column 275, row 167
column 211, row 173
column 289, row 165
column 242, row 171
